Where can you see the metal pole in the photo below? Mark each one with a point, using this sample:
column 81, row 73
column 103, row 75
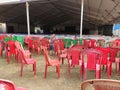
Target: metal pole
column 81, row 22
column 28, row 19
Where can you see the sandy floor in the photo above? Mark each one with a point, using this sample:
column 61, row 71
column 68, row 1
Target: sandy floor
column 11, row 72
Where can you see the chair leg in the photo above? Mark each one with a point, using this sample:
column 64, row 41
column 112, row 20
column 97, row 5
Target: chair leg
column 38, row 51
column 69, row 71
column 81, row 71
column 109, row 69
column 45, row 74
column 21, row 71
column 62, row 60
column 116, row 64
column 58, row 71
column 34, row 68
column 84, row 73
column 8, row 58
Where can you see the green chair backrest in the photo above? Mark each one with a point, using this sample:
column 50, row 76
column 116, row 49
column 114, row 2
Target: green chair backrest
column 7, row 39
column 14, row 38
column 80, row 41
column 67, row 42
column 74, row 42
column 20, row 39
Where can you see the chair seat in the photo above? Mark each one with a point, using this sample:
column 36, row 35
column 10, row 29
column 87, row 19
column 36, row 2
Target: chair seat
column 54, row 62
column 30, row 61
column 27, row 51
column 63, row 55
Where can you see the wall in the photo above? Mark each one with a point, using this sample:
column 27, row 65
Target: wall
column 20, row 28
column 2, row 28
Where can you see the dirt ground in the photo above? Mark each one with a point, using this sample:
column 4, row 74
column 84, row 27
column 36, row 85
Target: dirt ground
column 11, row 72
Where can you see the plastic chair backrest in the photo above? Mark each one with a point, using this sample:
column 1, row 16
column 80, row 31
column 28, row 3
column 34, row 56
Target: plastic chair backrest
column 93, row 43
column 74, row 42
column 113, row 53
column 18, row 45
column 20, row 39
column 75, row 56
column 11, row 45
column 67, row 42
column 46, row 56
column 22, row 57
column 86, row 42
column 7, row 85
column 45, row 42
column 91, row 57
column 62, row 45
column 100, row 84
column 105, row 52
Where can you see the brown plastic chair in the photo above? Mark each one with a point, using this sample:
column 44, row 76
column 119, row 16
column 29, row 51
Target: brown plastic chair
column 101, row 84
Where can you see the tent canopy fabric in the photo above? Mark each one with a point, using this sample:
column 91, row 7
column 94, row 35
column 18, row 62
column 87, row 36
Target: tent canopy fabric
column 53, row 12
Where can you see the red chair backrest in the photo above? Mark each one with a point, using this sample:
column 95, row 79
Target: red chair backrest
column 11, row 46
column 93, row 43
column 22, row 57
column 46, row 56
column 91, row 57
column 6, row 85
column 18, row 45
column 30, row 43
column 45, row 42
column 86, row 42
column 75, row 56
column 113, row 53
column 105, row 52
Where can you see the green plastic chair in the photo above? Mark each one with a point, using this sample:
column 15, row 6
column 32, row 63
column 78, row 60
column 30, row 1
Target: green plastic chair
column 20, row 39
column 80, row 41
column 7, row 39
column 67, row 42
column 74, row 42
column 14, row 38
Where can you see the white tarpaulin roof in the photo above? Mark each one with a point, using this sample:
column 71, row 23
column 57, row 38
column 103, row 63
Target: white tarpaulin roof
column 53, row 12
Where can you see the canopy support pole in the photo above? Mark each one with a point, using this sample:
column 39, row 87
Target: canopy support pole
column 28, row 18
column 81, row 21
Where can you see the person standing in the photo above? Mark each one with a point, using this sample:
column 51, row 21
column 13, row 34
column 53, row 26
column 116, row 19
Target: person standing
column 52, row 39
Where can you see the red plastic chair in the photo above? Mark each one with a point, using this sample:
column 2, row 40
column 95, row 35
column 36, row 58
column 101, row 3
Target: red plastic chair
column 50, row 62
column 91, row 59
column 106, row 60
column 26, row 61
column 9, row 85
column 19, row 47
column 36, row 46
column 45, row 42
column 10, row 50
column 113, row 53
column 93, row 43
column 86, row 42
column 62, row 43
column 60, row 50
column 74, row 59
column 62, row 54
column 30, row 44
